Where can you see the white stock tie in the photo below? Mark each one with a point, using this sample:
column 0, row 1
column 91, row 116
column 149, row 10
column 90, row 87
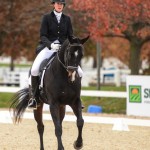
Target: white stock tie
column 58, row 15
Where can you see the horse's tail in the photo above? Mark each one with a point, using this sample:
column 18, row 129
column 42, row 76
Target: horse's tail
column 19, row 104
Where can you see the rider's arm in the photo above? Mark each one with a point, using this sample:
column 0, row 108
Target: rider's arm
column 44, row 32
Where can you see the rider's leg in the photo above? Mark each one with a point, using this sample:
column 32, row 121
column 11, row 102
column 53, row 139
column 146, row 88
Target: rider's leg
column 34, row 102
column 45, row 53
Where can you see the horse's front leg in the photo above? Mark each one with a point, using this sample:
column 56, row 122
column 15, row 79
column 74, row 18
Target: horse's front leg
column 40, row 126
column 77, row 109
column 55, row 113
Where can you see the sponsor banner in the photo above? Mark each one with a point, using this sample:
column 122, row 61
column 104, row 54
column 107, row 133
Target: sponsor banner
column 138, row 98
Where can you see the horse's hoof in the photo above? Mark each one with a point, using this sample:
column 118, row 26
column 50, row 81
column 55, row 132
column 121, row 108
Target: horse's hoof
column 76, row 146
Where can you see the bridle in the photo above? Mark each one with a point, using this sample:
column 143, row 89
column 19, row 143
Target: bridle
column 60, row 60
column 66, row 65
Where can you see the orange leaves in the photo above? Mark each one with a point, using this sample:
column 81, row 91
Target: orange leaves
column 134, row 1
column 83, row 5
column 117, row 30
column 114, row 15
column 20, row 21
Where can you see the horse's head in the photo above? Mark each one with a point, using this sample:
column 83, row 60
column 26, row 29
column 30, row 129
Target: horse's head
column 73, row 54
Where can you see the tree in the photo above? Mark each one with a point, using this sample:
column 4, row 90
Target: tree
column 125, row 19
column 80, row 30
column 19, row 27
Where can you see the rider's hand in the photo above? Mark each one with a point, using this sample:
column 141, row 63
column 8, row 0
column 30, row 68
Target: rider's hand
column 55, row 46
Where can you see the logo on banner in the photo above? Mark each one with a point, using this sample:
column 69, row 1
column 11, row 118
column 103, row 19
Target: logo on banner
column 135, row 94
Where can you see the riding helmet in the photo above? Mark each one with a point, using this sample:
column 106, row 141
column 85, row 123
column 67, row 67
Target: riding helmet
column 60, row 1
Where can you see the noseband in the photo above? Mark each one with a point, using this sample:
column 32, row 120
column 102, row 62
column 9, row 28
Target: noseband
column 66, row 65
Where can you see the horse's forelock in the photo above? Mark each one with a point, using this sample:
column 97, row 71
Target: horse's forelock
column 67, row 43
column 75, row 40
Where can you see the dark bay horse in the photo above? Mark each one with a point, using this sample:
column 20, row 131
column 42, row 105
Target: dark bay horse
column 61, row 87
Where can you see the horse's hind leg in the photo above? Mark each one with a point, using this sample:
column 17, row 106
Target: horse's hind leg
column 77, row 109
column 40, row 126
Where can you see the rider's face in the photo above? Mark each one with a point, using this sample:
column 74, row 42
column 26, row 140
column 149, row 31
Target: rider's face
column 58, row 6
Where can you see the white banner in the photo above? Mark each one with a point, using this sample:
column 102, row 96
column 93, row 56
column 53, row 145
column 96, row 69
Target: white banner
column 138, row 98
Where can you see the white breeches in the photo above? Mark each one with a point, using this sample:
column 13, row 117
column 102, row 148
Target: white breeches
column 44, row 54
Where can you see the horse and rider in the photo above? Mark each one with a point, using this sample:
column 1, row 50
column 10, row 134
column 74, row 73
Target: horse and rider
column 61, row 84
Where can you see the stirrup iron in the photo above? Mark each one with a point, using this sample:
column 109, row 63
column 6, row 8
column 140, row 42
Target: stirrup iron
column 32, row 100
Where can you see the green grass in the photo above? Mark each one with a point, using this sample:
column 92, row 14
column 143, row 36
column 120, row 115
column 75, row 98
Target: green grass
column 5, row 99
column 109, row 105
column 16, row 65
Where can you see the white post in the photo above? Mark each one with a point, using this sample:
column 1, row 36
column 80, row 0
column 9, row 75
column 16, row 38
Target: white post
column 117, row 78
column 24, row 79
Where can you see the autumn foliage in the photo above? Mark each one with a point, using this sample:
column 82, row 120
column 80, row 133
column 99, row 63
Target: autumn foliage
column 128, row 19
column 114, row 16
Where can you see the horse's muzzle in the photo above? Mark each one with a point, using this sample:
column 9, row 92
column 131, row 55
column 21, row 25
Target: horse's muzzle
column 72, row 72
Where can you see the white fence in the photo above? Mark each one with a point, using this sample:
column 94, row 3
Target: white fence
column 93, row 93
column 114, row 76
column 12, row 78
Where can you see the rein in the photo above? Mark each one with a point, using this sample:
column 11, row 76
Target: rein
column 60, row 61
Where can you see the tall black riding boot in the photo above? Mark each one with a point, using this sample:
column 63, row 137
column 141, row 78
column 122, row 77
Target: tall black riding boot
column 34, row 100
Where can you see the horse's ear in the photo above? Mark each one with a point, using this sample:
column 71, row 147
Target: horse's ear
column 72, row 39
column 84, row 40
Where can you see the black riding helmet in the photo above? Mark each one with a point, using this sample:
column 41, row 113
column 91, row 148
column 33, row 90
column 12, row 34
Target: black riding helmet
column 59, row 1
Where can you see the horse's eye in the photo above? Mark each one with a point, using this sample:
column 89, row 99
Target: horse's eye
column 72, row 54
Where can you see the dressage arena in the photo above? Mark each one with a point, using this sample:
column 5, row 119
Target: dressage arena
column 96, row 136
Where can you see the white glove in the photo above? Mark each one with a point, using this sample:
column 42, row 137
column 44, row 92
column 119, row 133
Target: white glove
column 55, row 46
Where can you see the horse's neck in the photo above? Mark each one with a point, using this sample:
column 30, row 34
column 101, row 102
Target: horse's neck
column 58, row 63
column 62, row 51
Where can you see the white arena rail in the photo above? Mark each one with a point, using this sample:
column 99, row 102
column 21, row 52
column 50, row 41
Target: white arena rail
column 9, row 89
column 91, row 93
